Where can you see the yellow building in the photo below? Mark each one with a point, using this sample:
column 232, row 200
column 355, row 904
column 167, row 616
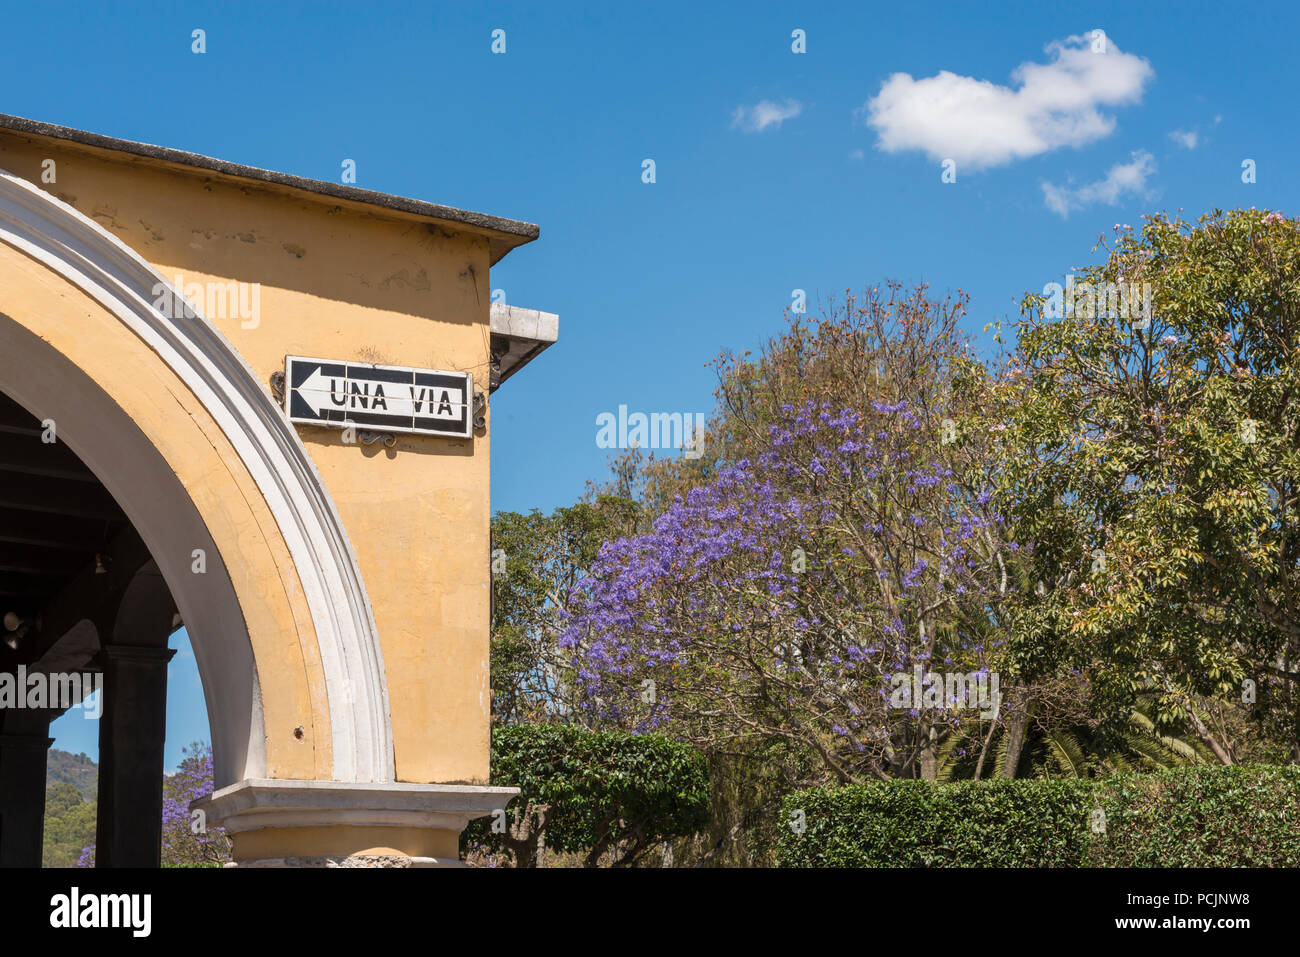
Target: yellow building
column 163, row 317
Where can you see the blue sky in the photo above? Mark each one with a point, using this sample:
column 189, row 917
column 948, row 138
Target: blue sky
column 774, row 170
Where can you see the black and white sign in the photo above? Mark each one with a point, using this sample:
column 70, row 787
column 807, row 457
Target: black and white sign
column 334, row 393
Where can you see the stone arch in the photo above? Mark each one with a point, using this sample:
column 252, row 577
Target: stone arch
column 135, row 440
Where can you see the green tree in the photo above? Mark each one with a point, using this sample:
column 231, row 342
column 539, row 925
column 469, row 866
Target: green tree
column 69, row 825
column 610, row 796
column 1158, row 478
column 536, row 561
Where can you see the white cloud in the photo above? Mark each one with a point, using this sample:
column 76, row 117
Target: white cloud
column 1123, row 179
column 979, row 123
column 1187, row 139
column 765, row 113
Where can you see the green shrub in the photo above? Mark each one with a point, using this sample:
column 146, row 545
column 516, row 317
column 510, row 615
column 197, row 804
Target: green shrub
column 1247, row 815
column 597, row 793
column 1240, row 816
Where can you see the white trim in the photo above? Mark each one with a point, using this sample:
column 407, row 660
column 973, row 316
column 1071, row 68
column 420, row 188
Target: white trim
column 108, row 271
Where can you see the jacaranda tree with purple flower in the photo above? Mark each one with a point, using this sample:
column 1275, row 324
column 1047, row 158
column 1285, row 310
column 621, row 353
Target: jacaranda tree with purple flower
column 845, row 535
column 187, row 840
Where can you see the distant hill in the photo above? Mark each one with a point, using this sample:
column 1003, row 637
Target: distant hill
column 75, row 769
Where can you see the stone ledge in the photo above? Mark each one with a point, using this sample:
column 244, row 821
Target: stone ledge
column 270, row 803
column 518, row 337
column 355, row 860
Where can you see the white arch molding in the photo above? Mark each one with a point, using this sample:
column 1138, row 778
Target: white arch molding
column 98, row 263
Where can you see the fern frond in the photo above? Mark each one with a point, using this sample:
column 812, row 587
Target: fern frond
column 1067, row 752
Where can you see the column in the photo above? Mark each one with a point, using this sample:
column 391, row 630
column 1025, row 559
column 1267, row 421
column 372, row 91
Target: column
column 24, row 742
column 131, row 736
column 293, row 823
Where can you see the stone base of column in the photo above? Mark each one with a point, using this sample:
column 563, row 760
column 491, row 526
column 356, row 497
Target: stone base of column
column 356, row 860
column 284, row 823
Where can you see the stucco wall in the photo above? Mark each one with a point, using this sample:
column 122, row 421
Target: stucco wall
column 338, row 282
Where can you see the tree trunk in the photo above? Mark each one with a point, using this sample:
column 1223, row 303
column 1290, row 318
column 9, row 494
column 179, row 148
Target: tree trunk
column 984, row 751
column 930, row 756
column 1017, row 722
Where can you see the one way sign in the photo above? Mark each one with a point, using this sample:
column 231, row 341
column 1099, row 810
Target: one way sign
column 335, row 393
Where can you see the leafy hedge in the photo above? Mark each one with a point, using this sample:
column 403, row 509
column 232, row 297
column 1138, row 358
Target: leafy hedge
column 1241, row 816
column 599, row 789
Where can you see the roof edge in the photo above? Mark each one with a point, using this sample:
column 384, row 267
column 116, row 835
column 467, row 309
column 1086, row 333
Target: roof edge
column 505, row 233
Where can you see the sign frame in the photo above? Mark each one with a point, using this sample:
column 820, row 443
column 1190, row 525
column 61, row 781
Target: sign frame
column 378, row 390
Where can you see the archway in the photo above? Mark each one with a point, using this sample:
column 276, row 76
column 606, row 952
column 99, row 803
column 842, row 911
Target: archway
column 195, row 451
column 226, row 502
